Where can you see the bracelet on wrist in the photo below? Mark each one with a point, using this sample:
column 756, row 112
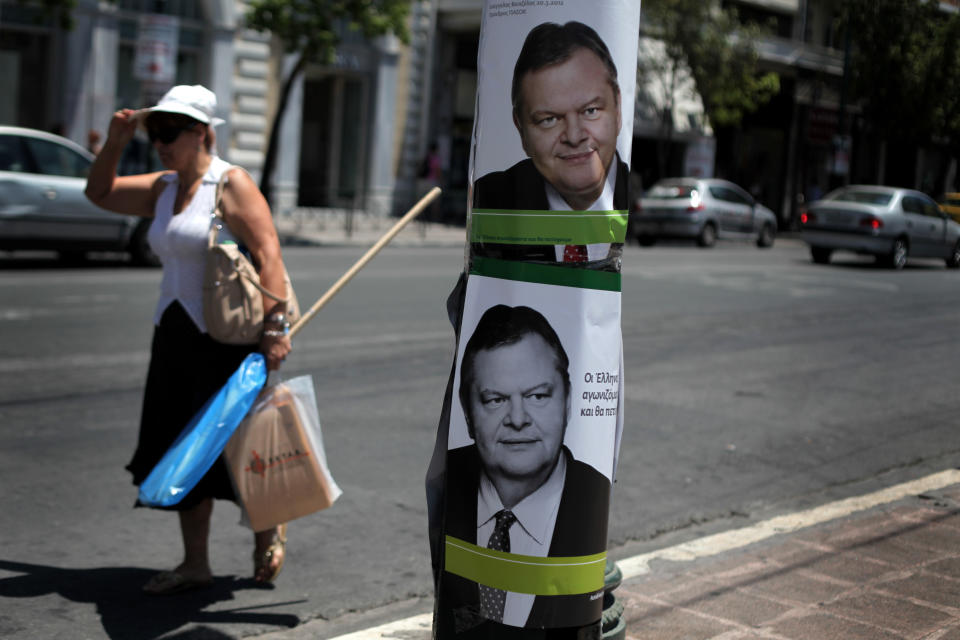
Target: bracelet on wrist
column 276, row 318
column 274, row 333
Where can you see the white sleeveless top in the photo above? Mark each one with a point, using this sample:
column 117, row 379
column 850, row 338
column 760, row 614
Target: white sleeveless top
column 180, row 241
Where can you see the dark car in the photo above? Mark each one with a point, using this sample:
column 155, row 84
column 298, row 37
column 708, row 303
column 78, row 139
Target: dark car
column 888, row 223
column 702, row 209
column 43, row 207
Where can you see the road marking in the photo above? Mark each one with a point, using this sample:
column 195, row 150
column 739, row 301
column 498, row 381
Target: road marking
column 74, row 361
column 398, row 629
column 142, row 356
column 712, row 545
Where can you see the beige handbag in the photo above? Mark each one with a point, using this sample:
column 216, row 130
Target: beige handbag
column 232, row 300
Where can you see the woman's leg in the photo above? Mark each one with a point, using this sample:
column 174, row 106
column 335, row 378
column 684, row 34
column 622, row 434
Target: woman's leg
column 269, row 552
column 194, row 571
column 195, row 530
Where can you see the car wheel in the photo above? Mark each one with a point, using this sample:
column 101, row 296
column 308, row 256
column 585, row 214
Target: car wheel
column 897, row 258
column 820, row 255
column 646, row 241
column 708, row 235
column 953, row 262
column 140, row 251
column 765, row 239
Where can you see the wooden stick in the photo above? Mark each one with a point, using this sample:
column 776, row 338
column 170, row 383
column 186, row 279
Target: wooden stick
column 371, row 252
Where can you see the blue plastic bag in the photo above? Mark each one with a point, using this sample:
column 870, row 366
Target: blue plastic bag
column 200, row 443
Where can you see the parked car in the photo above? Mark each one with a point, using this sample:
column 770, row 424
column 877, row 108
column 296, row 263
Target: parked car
column 887, row 222
column 42, row 205
column 701, row 209
column 950, row 203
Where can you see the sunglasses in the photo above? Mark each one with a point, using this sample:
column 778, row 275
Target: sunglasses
column 167, row 133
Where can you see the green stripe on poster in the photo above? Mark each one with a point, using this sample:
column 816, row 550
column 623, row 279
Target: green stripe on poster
column 525, row 574
column 547, row 227
column 546, row 274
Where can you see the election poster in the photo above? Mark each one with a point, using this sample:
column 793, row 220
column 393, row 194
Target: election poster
column 519, row 485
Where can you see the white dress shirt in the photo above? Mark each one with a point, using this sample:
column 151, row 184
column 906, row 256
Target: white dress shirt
column 599, row 250
column 530, row 535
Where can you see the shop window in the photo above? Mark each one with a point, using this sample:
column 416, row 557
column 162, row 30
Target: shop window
column 24, row 59
column 333, row 143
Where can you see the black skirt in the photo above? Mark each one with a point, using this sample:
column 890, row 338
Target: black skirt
column 187, row 367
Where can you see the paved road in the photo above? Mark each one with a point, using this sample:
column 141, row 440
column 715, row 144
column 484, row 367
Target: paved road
column 758, row 383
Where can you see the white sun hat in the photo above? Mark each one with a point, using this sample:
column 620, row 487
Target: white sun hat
column 195, row 101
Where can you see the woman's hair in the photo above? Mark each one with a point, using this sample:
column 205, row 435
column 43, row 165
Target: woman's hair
column 210, row 142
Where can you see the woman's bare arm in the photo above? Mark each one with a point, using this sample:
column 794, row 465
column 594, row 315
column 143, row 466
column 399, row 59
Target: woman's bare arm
column 248, row 216
column 133, row 195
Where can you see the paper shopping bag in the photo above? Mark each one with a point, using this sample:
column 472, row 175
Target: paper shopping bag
column 277, row 460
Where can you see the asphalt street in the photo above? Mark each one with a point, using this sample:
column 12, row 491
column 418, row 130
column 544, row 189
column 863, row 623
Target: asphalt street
column 757, row 384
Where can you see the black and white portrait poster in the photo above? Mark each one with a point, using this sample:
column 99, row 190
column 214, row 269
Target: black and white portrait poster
column 519, row 484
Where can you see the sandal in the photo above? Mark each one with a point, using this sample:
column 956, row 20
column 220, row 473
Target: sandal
column 167, row 583
column 263, row 569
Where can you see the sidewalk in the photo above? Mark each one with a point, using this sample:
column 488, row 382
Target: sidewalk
column 885, row 566
column 890, row 572
column 363, row 231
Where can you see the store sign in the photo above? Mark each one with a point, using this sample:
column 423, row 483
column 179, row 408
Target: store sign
column 156, row 55
column 822, row 125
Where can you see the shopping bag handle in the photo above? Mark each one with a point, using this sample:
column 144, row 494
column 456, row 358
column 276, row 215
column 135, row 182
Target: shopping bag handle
column 359, row 264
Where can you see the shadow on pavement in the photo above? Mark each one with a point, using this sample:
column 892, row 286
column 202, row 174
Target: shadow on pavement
column 126, row 612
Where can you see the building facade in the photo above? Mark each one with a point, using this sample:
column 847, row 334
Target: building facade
column 354, row 132
column 71, row 81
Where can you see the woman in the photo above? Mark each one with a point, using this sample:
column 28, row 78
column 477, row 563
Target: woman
column 186, row 365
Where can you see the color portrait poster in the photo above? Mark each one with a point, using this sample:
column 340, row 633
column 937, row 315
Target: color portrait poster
column 519, row 485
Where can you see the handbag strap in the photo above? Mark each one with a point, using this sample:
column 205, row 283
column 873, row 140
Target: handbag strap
column 215, row 230
column 219, row 194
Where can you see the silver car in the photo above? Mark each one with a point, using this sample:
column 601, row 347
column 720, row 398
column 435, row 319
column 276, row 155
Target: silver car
column 702, row 209
column 42, row 205
column 887, row 222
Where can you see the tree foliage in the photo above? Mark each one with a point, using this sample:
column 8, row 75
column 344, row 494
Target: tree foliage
column 718, row 51
column 905, row 67
column 311, row 30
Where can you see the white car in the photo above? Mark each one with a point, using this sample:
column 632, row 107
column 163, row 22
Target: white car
column 701, row 209
column 43, row 207
column 888, row 223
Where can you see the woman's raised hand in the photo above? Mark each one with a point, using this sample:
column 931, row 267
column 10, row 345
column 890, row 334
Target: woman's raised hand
column 122, row 126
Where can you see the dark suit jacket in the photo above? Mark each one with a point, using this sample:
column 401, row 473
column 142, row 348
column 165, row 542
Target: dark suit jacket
column 580, row 529
column 523, row 187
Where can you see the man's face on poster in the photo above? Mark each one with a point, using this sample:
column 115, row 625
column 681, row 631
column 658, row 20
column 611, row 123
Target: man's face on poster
column 518, row 407
column 569, row 118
